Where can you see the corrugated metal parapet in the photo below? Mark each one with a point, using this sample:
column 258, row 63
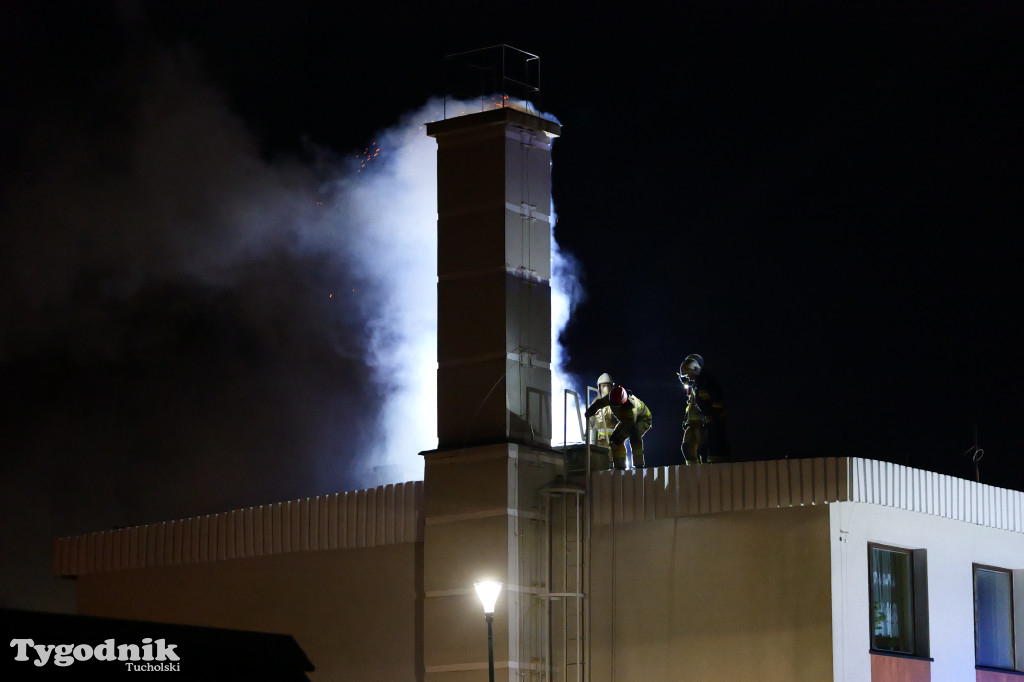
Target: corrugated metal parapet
column 386, row 515
column 894, row 485
column 668, row 492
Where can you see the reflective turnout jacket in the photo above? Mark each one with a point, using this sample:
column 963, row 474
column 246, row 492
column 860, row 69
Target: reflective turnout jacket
column 634, row 410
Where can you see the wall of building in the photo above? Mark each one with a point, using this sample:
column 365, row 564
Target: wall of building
column 952, row 547
column 354, row 612
column 741, row 595
column 738, row 572
column 485, row 519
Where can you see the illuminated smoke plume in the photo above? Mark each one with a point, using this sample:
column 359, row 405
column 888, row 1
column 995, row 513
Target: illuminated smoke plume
column 308, row 304
column 392, row 206
column 566, row 293
column 191, row 327
column 389, row 207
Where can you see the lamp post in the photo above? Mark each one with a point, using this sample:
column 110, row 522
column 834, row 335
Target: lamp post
column 488, row 593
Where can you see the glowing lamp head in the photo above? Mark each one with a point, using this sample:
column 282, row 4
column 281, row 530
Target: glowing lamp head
column 488, row 593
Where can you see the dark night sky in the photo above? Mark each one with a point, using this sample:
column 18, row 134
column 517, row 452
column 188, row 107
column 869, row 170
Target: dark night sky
column 823, row 199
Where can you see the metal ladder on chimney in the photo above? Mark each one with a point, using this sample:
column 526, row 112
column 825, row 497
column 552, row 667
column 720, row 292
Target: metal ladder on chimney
column 566, row 597
column 568, row 546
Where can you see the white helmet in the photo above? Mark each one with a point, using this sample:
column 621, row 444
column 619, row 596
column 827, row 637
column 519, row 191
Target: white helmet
column 604, row 383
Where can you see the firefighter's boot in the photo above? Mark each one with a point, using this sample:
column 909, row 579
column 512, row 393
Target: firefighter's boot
column 619, row 456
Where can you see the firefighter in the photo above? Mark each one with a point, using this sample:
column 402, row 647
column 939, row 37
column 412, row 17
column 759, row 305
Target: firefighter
column 604, row 421
column 704, row 416
column 634, row 420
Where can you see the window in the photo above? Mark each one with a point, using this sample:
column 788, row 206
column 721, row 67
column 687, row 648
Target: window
column 993, row 617
column 898, row 591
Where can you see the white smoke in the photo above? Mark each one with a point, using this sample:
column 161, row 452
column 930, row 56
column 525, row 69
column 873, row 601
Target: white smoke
column 390, row 208
column 305, row 260
column 391, row 213
column 146, row 243
column 193, row 327
column 566, row 294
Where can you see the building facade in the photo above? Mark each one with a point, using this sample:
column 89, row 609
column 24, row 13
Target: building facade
column 826, row 569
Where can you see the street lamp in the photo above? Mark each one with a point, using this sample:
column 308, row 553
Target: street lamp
column 488, row 592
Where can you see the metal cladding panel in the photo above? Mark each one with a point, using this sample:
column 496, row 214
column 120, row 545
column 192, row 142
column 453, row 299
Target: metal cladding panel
column 184, row 549
column 528, row 242
column 626, row 496
column 90, row 557
column 528, row 397
column 176, row 545
column 471, row 170
column 471, row 318
column 601, row 515
column 675, row 491
column 651, row 482
column 474, row 312
column 468, row 243
column 204, row 538
column 291, row 521
column 363, row 518
column 808, row 482
column 667, row 504
column 528, row 318
column 368, row 520
column 247, row 535
column 333, row 527
column 464, row 482
column 723, row 484
column 385, row 516
column 195, row 540
column 527, row 168
column 528, row 369
column 279, row 527
column 133, row 549
column 473, row 396
column 639, row 499
column 499, row 399
column 704, row 489
column 257, row 531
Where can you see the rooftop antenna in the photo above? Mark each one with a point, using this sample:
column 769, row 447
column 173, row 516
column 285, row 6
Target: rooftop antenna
column 976, row 454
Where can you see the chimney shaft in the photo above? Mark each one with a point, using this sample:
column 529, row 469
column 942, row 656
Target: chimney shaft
column 494, row 278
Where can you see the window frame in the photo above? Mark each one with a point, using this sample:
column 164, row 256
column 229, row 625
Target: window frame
column 1014, row 657
column 918, row 574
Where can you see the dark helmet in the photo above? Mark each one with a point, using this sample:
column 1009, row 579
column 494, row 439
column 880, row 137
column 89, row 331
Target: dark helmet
column 691, row 366
column 618, row 396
